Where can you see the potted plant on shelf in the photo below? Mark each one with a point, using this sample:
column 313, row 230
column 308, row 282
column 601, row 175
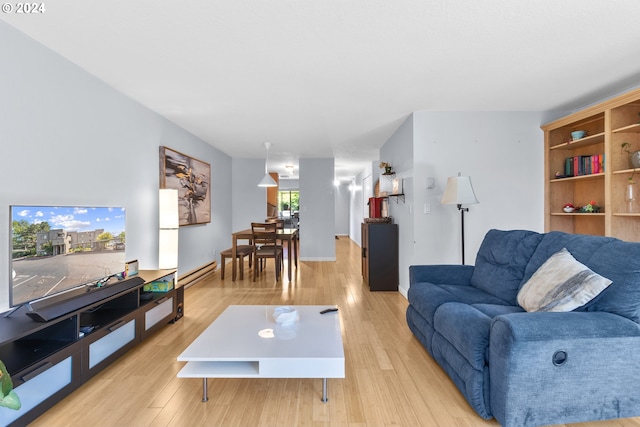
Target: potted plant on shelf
column 386, row 166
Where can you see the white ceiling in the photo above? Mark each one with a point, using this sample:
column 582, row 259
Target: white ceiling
column 335, row 78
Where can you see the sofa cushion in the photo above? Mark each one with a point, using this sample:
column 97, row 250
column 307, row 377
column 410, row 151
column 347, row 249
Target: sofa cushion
column 461, row 347
column 561, row 284
column 609, row 257
column 427, row 297
column 493, row 310
column 501, row 262
column 467, row 329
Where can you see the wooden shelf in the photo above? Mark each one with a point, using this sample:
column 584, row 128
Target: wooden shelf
column 578, row 178
column 625, row 171
column 397, row 196
column 582, row 142
column 634, row 128
column 577, row 214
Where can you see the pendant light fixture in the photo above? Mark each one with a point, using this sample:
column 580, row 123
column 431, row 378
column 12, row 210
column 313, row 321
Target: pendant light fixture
column 267, row 181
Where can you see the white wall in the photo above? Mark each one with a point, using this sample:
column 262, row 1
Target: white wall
column 398, row 151
column 342, row 209
column 69, row 139
column 501, row 151
column 317, row 210
column 249, row 201
column 356, row 205
column 288, row 184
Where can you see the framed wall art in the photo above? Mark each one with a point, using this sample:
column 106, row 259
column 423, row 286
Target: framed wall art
column 192, row 178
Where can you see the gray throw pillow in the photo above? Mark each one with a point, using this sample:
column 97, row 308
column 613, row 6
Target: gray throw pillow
column 561, row 284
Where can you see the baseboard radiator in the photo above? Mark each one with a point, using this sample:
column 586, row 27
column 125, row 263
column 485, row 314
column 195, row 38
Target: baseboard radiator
column 194, row 276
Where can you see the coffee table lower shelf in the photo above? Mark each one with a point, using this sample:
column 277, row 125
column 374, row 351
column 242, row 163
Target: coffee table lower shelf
column 211, row 369
column 234, row 369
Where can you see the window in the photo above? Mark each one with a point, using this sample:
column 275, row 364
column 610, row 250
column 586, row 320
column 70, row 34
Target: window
column 289, row 200
column 288, row 205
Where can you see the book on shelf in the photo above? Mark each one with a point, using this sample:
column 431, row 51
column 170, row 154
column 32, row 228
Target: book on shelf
column 583, row 165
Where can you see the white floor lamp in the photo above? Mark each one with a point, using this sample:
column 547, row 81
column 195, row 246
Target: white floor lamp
column 459, row 192
column 169, row 224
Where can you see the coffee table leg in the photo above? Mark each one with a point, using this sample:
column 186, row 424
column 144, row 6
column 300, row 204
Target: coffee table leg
column 324, row 390
column 205, row 394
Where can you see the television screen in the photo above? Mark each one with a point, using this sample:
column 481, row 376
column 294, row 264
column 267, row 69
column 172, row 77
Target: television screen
column 54, row 249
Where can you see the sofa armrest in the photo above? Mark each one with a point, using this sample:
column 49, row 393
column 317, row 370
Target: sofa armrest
column 441, row 274
column 555, row 368
column 543, row 326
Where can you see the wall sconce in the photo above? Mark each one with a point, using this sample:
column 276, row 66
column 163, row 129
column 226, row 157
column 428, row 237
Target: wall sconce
column 267, row 181
column 459, row 191
column 168, row 224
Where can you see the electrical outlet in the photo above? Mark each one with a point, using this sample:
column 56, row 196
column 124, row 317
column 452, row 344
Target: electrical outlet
column 431, row 183
column 427, row 208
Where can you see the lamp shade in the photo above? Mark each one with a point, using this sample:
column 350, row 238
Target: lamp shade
column 267, row 181
column 459, row 191
column 169, row 224
column 168, row 249
column 168, row 208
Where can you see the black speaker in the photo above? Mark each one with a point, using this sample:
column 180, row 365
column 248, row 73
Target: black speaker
column 179, row 303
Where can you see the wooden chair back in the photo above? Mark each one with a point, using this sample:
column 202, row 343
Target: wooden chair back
column 263, row 233
column 279, row 222
column 265, row 245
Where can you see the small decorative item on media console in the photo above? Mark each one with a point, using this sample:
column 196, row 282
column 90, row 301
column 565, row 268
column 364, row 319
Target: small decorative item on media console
column 568, row 208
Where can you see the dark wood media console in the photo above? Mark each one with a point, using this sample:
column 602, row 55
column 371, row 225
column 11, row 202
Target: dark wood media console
column 69, row 343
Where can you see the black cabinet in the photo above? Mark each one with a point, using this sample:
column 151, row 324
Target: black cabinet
column 51, row 352
column 380, row 256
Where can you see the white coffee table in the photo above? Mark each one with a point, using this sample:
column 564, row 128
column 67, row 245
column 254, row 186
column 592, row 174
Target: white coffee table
column 246, row 342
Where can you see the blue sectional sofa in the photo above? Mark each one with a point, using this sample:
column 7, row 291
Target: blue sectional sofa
column 536, row 367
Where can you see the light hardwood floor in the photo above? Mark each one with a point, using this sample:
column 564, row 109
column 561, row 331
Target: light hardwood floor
column 390, row 378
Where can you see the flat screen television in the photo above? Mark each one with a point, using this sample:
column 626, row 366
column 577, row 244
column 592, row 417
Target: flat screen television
column 56, row 250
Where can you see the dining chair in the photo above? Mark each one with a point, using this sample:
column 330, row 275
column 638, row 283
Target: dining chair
column 241, row 252
column 279, row 222
column 279, row 225
column 265, row 246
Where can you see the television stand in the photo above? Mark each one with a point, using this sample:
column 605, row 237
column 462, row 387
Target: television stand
column 73, row 340
column 13, row 310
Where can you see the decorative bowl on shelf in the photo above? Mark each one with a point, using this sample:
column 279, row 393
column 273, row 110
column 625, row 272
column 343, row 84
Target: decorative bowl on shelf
column 578, row 134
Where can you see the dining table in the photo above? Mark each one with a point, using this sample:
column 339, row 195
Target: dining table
column 288, row 234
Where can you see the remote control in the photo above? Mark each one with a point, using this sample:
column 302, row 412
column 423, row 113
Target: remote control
column 328, row 310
